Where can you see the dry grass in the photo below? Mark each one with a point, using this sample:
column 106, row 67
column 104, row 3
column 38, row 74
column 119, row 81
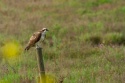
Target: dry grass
column 85, row 42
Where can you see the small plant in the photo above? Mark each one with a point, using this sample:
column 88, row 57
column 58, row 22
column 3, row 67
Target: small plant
column 114, row 38
column 103, row 1
column 93, row 39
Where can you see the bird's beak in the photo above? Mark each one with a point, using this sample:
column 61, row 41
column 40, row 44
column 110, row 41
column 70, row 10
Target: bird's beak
column 47, row 30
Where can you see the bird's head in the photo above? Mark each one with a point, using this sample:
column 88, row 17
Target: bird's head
column 44, row 30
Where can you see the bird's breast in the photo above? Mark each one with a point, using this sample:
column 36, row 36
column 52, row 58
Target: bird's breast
column 42, row 37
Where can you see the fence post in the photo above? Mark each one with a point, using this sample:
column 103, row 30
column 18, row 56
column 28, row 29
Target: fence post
column 42, row 78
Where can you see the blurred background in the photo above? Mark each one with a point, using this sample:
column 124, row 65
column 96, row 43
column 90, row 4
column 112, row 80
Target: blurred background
column 85, row 42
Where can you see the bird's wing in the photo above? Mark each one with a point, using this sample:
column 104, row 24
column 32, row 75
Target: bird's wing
column 34, row 38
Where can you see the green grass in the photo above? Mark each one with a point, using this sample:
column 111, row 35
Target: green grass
column 85, row 42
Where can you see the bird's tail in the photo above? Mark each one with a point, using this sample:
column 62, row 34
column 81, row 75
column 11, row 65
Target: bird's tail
column 27, row 48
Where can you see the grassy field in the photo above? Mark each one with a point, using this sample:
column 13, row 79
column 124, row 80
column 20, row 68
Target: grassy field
column 85, row 42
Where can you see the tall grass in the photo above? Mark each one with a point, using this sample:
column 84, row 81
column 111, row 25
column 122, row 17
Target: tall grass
column 85, row 42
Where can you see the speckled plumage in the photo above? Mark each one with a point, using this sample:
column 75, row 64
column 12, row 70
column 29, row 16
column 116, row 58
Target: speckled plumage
column 36, row 37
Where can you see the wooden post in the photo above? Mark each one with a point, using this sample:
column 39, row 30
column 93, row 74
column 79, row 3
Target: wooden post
column 40, row 63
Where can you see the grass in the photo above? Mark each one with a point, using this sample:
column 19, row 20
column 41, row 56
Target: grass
column 85, row 42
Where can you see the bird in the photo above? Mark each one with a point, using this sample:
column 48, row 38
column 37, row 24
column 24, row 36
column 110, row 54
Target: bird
column 35, row 38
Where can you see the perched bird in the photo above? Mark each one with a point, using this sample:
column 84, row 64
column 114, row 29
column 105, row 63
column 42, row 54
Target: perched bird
column 36, row 37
